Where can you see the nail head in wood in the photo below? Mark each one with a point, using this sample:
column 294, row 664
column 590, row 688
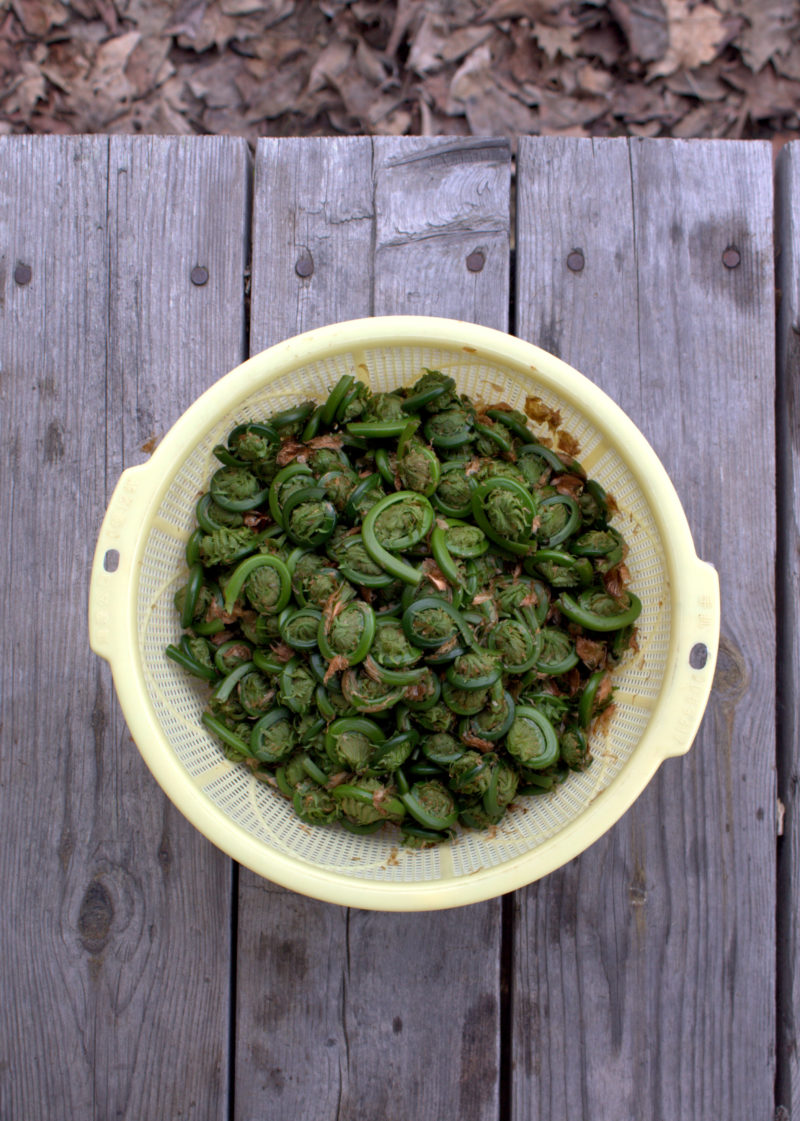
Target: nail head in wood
column 731, row 257
column 304, row 265
column 576, row 261
column 199, row 276
column 476, row 260
column 23, row 274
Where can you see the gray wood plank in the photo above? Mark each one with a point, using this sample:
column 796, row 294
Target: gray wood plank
column 787, row 213
column 354, row 1013
column 56, row 918
column 173, row 206
column 115, row 913
column 290, row 1037
column 635, row 962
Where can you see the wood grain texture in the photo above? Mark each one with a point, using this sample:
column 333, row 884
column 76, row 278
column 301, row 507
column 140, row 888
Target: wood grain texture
column 116, row 913
column 173, row 205
column 647, row 964
column 787, row 212
column 355, row 1014
column 313, row 214
column 54, row 926
column 442, row 228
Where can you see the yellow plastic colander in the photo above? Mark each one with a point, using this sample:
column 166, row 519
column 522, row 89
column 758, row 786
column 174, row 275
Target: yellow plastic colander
column 661, row 690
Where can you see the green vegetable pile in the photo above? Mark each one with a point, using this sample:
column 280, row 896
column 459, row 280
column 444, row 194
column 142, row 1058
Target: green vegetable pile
column 407, row 608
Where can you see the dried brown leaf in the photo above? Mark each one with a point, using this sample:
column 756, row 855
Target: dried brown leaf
column 269, row 11
column 153, row 116
column 25, row 92
column 463, row 40
column 148, row 65
column 148, row 17
column 604, row 689
column 489, row 109
column 769, row 96
column 788, row 65
column 369, row 63
column 104, row 93
column 540, row 412
column 559, row 114
column 279, row 91
column 214, row 83
column 696, row 35
column 39, row 17
column 590, row 652
column 429, row 40
column 644, row 25
column 97, row 9
column 336, row 665
column 471, row 740
column 710, row 119
column 85, row 8
column 569, row 484
column 705, row 83
column 187, row 19
column 601, row 44
column 566, row 442
column 437, row 43
column 769, row 30
column 397, row 122
column 523, row 62
column 434, row 574
column 214, row 29
column 331, row 62
column 359, row 95
column 593, row 79
column 642, row 104
column 406, row 16
column 533, row 10
column 650, row 129
column 556, row 40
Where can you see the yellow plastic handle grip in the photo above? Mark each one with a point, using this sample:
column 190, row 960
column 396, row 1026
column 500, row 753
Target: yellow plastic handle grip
column 693, row 666
column 113, row 559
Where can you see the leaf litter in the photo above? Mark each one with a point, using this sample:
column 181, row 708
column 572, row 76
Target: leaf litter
column 684, row 68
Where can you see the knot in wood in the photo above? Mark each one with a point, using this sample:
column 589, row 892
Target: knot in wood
column 476, row 260
column 95, row 916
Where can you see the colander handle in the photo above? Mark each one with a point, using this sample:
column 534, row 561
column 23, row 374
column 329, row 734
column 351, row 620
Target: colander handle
column 693, row 667
column 109, row 588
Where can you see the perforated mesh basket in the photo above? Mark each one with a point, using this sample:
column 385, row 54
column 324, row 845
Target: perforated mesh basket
column 660, row 694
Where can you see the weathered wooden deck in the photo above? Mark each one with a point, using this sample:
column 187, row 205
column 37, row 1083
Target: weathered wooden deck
column 144, row 977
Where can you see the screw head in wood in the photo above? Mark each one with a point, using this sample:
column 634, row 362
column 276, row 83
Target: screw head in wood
column 23, row 274
column 476, row 260
column 304, row 265
column 576, row 261
column 731, row 257
column 199, row 276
